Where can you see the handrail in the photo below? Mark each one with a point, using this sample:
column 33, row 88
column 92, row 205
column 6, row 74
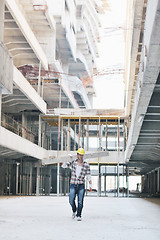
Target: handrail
column 17, row 128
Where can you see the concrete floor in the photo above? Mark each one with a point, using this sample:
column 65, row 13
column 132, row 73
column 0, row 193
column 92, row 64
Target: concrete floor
column 48, row 218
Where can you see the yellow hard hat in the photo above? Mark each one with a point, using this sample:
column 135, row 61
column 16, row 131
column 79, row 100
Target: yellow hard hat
column 81, row 151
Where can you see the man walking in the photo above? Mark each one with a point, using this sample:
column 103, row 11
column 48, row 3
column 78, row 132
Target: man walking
column 79, row 170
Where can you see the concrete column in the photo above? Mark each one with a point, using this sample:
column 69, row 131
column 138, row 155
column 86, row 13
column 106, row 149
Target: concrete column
column 123, row 182
column 0, row 105
column 42, row 88
column 68, row 145
column 58, row 179
column 118, row 150
column 99, row 134
column 65, row 141
column 2, row 6
column 118, row 135
column 83, row 134
column 9, row 179
column 61, row 134
column 60, row 96
column 99, row 180
column 124, row 137
column 68, row 136
column 106, row 134
column 79, row 132
column 44, row 128
column 158, row 179
column 38, row 181
column 127, row 180
column 49, row 180
column 20, row 187
column 30, row 180
column 147, row 183
column 50, row 139
column 17, row 176
column 2, row 177
column 40, row 132
column 75, row 127
column 24, row 125
column 105, row 184
column 39, row 80
column 27, row 178
column 117, row 180
column 23, row 179
column 87, row 134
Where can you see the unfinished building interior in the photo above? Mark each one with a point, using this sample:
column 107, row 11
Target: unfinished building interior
column 48, row 57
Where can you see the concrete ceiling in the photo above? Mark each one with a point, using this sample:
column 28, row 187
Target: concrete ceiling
column 143, row 146
column 146, row 153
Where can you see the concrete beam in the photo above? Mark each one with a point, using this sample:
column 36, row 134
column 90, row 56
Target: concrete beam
column 64, row 85
column 27, row 32
column 6, row 70
column 88, row 112
column 18, row 144
column 25, row 87
column 78, row 87
column 137, row 21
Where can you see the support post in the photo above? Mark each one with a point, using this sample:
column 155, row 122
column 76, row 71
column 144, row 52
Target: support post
column 24, row 124
column 30, row 179
column 39, row 79
column 43, row 143
column 2, row 7
column 58, row 168
column 99, row 180
column 50, row 140
column 106, row 134
column 118, row 136
column 83, row 134
column 61, row 134
column 75, row 127
column 21, row 178
column 87, row 134
column 17, row 175
column 60, row 94
column 79, row 133
column 65, row 141
column 99, row 133
column 38, row 181
column 0, row 106
column 158, row 190
column 118, row 150
column 39, row 132
column 105, row 182
column 58, row 164
column 127, row 180
column 118, row 180
column 68, row 136
column 42, row 90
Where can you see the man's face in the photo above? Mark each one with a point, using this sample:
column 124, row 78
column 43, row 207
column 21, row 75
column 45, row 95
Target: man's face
column 80, row 156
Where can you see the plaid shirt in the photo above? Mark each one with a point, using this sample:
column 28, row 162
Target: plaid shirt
column 84, row 171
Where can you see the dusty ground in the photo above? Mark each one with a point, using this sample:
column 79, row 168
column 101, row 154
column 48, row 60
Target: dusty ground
column 48, row 218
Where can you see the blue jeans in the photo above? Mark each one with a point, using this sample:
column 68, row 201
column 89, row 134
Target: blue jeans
column 79, row 190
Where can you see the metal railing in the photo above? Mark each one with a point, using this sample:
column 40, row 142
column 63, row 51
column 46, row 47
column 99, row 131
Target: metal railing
column 12, row 125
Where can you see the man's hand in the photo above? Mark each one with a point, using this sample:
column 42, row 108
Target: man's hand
column 90, row 187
